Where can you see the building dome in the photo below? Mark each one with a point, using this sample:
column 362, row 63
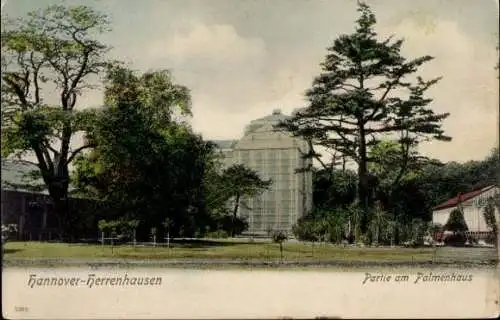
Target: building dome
column 272, row 119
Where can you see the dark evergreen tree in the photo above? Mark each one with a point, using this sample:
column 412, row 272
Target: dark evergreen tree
column 367, row 91
column 456, row 221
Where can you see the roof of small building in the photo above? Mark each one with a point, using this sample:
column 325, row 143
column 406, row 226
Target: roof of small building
column 19, row 176
column 453, row 202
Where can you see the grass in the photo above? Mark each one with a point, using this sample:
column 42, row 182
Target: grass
column 265, row 252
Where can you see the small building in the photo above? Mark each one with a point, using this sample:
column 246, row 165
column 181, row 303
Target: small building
column 472, row 205
column 25, row 202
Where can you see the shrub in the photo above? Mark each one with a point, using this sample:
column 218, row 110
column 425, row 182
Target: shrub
column 491, row 238
column 458, row 239
column 418, row 231
column 304, row 230
column 218, row 234
column 280, row 237
column 229, row 223
column 456, row 221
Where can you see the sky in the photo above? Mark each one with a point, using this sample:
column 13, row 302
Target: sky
column 241, row 59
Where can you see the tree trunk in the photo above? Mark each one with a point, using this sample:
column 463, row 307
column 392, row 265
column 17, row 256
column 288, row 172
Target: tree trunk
column 363, row 192
column 61, row 212
column 58, row 190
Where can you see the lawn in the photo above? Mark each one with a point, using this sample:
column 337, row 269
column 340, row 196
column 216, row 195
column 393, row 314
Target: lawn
column 214, row 251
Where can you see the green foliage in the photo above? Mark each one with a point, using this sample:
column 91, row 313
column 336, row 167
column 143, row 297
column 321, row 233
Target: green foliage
column 54, row 48
column 156, row 92
column 367, row 91
column 218, row 234
column 279, row 236
column 456, row 221
column 167, row 223
column 231, row 185
column 379, row 224
column 327, row 226
column 118, row 228
column 230, row 224
column 103, row 225
column 144, row 164
column 336, row 227
column 333, row 188
column 241, row 181
column 438, row 183
column 492, row 205
column 356, row 213
column 304, row 230
column 418, row 231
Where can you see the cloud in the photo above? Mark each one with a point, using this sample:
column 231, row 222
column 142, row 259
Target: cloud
column 468, row 90
column 237, row 75
column 216, row 63
column 214, row 46
column 233, row 78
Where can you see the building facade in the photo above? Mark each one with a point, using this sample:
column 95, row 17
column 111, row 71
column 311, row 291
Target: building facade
column 472, row 204
column 26, row 203
column 275, row 155
column 32, row 211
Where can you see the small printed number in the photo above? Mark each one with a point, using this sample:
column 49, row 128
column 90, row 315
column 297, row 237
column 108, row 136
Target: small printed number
column 21, row 309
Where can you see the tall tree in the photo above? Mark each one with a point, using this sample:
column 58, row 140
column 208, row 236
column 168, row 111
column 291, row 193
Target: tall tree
column 333, row 188
column 366, row 92
column 51, row 49
column 145, row 164
column 397, row 171
column 456, row 221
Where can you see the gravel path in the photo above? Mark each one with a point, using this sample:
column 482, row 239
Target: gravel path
column 238, row 263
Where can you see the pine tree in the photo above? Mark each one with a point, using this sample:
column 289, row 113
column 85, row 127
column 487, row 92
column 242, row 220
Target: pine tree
column 456, row 221
column 367, row 92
